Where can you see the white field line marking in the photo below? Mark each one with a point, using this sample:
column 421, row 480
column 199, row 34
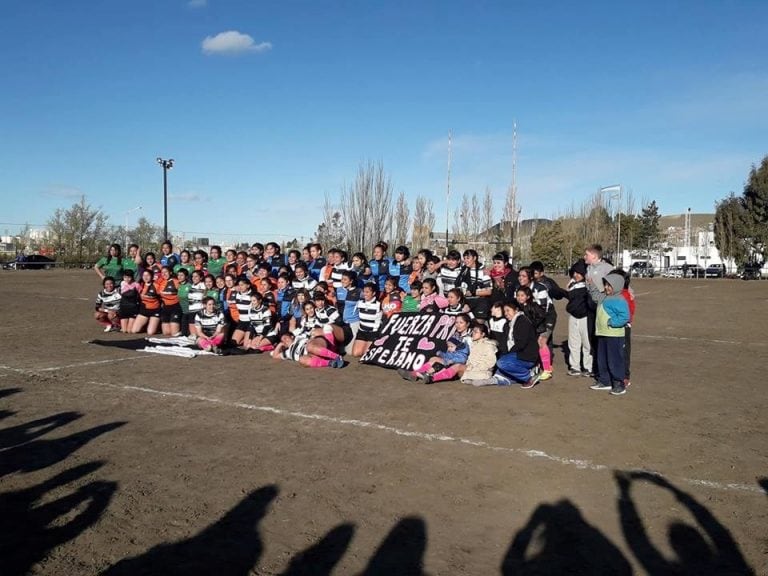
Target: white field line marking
column 702, row 286
column 54, row 368
column 685, row 339
column 577, row 463
column 642, row 293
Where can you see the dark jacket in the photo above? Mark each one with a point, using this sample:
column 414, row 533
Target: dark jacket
column 578, row 299
column 555, row 292
column 524, row 338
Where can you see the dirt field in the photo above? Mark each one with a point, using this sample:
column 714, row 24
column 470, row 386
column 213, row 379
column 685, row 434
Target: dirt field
column 122, row 462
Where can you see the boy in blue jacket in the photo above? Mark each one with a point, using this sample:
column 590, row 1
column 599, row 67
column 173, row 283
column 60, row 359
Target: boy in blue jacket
column 612, row 317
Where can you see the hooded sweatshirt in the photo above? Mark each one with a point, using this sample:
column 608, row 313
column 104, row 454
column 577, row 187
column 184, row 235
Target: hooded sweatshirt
column 613, row 311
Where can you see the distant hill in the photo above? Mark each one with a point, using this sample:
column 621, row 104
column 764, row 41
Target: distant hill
column 678, row 221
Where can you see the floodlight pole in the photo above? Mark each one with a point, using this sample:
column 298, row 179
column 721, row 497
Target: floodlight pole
column 167, row 165
column 616, row 194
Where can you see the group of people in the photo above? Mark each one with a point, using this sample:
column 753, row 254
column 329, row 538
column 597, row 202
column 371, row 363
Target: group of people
column 312, row 307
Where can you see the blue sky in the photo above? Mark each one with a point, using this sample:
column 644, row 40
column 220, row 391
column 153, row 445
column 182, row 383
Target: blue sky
column 267, row 106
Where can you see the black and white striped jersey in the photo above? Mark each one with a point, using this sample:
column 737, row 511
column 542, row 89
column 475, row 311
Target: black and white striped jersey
column 308, row 283
column 260, row 319
column 109, row 301
column 243, row 303
column 195, row 296
column 327, row 315
column 208, row 323
column 296, row 350
column 474, row 279
column 336, row 273
column 370, row 315
column 448, row 277
column 306, row 326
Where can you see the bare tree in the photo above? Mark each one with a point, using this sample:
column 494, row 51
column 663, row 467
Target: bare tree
column 330, row 232
column 475, row 218
column 423, row 223
column 402, row 220
column 461, row 216
column 509, row 216
column 366, row 207
column 79, row 233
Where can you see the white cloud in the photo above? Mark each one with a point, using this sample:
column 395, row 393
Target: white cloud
column 233, row 42
column 188, row 197
column 62, row 191
column 197, row 3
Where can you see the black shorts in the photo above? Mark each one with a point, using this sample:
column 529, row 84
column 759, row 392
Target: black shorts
column 366, row 336
column 243, row 326
column 171, row 314
column 126, row 312
column 143, row 311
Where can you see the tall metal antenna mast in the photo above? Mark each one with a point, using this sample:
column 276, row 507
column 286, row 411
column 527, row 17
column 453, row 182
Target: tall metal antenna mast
column 448, row 194
column 513, row 212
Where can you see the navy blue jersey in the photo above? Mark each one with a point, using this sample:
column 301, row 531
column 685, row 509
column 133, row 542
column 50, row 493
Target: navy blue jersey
column 380, row 271
column 346, row 302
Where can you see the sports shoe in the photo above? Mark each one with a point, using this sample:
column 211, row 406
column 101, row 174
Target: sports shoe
column 407, row 375
column 544, row 375
column 502, row 380
column 532, row 382
column 426, row 377
column 627, row 383
column 587, row 374
column 483, row 382
column 337, row 362
column 618, row 389
column 216, row 350
column 574, row 372
column 108, row 328
column 600, row 386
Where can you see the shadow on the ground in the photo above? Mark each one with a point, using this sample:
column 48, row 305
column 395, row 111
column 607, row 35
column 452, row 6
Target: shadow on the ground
column 23, row 433
column 321, row 558
column 9, row 392
column 705, row 548
column 32, row 524
column 229, row 547
column 35, row 520
column 558, row 540
column 402, row 551
column 40, row 453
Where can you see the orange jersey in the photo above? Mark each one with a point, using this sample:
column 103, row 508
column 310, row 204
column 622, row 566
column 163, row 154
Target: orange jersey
column 149, row 296
column 169, row 291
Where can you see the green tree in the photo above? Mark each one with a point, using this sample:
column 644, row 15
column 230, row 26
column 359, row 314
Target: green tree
column 550, row 245
column 79, row 233
column 731, row 229
column 147, row 235
column 755, row 202
column 648, row 233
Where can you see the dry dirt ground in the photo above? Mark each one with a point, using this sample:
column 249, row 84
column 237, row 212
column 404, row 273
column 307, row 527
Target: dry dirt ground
column 121, row 462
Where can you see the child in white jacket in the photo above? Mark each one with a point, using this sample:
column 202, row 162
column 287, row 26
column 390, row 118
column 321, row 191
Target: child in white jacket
column 482, row 357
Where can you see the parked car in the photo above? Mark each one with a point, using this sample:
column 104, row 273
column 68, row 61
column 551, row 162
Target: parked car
column 32, row 262
column 673, row 272
column 642, row 270
column 715, row 271
column 695, row 271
